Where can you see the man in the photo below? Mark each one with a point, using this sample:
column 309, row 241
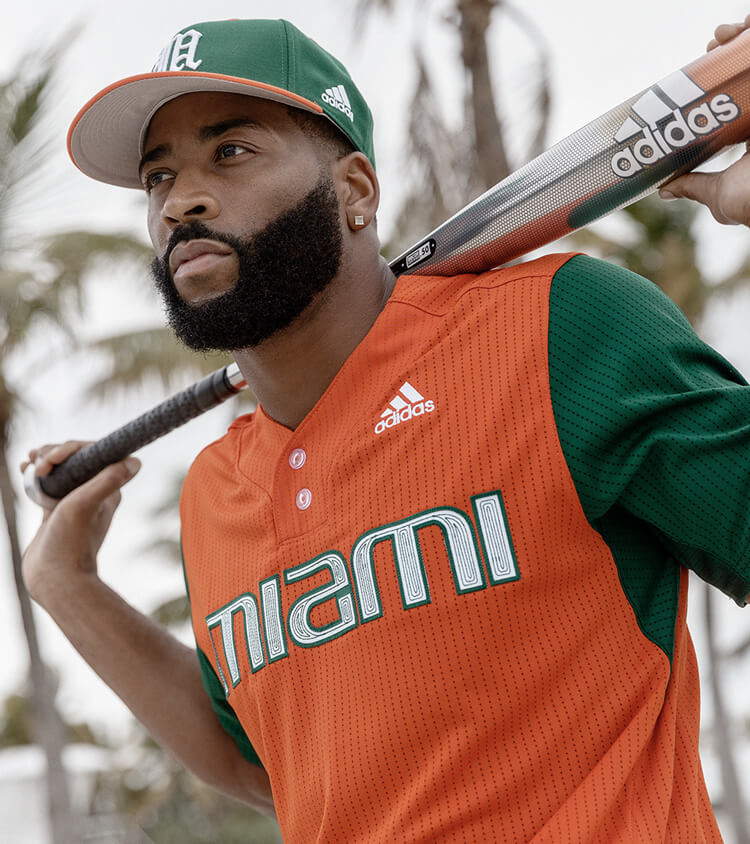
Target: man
column 437, row 579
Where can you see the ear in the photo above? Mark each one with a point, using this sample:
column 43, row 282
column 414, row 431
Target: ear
column 359, row 189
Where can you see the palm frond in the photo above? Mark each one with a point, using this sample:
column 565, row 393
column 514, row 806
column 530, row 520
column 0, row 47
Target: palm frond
column 72, row 256
column 47, row 282
column 734, row 281
column 23, row 306
column 138, row 356
column 175, row 611
column 738, row 650
column 166, row 548
column 12, row 281
column 28, row 108
column 170, row 500
column 367, row 7
column 27, row 315
column 24, row 132
column 76, row 252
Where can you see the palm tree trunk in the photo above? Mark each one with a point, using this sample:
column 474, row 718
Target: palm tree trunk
column 733, row 800
column 48, row 726
column 491, row 157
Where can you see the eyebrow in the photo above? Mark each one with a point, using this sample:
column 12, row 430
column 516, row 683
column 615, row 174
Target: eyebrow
column 205, row 133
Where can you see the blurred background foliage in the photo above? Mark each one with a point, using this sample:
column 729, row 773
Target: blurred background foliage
column 43, row 282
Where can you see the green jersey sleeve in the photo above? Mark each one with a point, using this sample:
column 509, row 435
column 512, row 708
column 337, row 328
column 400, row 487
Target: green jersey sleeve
column 654, row 424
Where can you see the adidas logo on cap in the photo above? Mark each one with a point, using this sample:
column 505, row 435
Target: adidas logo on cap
column 406, row 404
column 665, row 124
column 338, row 98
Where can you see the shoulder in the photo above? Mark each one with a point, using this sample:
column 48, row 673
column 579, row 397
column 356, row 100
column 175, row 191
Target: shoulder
column 218, row 458
column 601, row 314
column 440, row 294
column 591, row 290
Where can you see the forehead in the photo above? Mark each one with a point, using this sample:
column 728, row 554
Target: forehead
column 187, row 114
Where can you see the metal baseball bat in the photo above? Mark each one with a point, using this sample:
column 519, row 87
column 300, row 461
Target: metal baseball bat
column 80, row 467
column 669, row 129
column 660, row 133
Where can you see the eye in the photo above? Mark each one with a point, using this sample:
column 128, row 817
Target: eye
column 154, row 178
column 231, row 150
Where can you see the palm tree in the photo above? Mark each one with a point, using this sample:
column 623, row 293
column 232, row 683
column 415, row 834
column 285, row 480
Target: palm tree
column 41, row 287
column 451, row 165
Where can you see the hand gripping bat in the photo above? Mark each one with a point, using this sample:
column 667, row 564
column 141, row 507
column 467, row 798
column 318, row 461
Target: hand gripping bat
column 670, row 128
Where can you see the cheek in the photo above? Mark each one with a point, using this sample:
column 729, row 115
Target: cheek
column 249, row 208
column 157, row 231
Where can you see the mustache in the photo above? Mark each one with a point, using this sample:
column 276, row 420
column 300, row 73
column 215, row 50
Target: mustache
column 193, row 230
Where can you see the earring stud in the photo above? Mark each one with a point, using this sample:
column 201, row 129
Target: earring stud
column 359, row 220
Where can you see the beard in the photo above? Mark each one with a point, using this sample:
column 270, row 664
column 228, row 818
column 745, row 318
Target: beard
column 282, row 269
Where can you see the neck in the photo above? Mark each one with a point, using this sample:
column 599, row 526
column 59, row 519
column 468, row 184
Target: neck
column 290, row 371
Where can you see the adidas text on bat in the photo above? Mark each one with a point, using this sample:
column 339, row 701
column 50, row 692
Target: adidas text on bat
column 665, row 124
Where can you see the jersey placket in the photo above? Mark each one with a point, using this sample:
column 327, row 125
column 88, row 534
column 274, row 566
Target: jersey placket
column 299, row 488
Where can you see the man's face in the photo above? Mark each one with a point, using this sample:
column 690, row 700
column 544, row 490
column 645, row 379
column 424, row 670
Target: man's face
column 243, row 215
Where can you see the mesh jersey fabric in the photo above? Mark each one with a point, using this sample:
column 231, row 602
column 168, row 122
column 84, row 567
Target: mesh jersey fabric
column 475, row 628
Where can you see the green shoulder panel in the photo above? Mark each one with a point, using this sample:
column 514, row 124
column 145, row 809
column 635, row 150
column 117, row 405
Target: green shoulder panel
column 655, row 428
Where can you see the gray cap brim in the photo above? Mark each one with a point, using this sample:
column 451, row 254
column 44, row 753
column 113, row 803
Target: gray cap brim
column 105, row 139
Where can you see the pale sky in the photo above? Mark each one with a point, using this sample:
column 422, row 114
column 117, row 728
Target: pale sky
column 601, row 53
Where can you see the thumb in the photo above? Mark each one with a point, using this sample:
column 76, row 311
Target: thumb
column 701, row 187
column 698, row 186
column 89, row 496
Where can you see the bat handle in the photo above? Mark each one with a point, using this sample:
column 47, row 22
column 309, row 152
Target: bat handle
column 165, row 417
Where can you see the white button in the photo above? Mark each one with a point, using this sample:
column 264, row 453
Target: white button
column 297, row 458
column 304, row 499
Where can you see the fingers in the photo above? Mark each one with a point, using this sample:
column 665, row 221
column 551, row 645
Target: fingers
column 726, row 31
column 67, row 543
column 47, row 457
column 89, row 497
column 702, row 187
column 696, row 186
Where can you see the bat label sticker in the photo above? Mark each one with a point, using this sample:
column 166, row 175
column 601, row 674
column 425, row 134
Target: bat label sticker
column 420, row 253
column 664, row 124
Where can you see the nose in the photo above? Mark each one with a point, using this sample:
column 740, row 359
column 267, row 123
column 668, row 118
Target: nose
column 190, row 197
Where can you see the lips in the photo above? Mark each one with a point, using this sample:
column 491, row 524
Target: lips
column 196, row 256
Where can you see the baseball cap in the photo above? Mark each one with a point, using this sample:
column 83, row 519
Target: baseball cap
column 270, row 59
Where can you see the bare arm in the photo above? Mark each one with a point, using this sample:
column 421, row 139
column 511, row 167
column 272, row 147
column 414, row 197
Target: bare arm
column 156, row 676
column 726, row 193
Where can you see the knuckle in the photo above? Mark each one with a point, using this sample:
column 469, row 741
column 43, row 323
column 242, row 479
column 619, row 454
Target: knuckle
column 120, row 473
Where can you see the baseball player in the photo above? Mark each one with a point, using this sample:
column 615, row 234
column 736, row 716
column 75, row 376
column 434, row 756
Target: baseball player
column 438, row 579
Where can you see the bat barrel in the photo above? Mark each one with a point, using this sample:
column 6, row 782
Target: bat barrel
column 165, row 417
column 670, row 128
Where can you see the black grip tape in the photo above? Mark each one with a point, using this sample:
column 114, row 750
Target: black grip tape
column 165, row 417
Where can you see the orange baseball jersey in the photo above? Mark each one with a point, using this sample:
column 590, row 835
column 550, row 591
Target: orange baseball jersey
column 450, row 606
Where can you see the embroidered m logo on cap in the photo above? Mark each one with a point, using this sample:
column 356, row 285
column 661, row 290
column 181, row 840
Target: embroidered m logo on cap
column 179, row 54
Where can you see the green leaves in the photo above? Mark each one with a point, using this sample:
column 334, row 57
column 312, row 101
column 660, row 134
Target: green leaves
column 136, row 356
